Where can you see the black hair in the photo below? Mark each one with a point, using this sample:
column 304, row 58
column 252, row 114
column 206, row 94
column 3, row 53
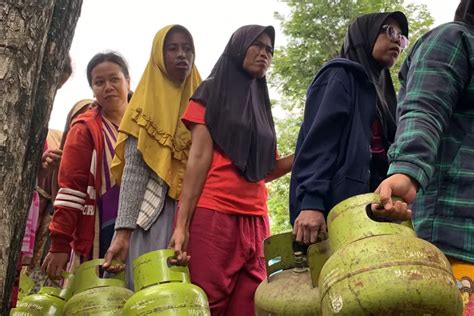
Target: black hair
column 112, row 57
column 465, row 12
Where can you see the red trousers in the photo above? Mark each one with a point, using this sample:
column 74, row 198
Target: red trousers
column 227, row 259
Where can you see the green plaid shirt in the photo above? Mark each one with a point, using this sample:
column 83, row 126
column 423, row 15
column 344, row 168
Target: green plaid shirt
column 435, row 136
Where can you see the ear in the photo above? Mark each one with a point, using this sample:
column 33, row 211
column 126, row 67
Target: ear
column 128, row 84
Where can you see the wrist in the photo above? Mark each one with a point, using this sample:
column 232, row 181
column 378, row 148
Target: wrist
column 414, row 183
column 181, row 224
column 409, row 179
column 312, row 210
column 183, row 219
column 59, row 246
column 123, row 233
column 311, row 213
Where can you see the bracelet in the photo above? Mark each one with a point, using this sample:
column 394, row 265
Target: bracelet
column 43, row 193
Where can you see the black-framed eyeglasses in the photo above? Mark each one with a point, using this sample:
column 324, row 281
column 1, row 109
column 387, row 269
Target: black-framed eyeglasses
column 395, row 35
column 261, row 45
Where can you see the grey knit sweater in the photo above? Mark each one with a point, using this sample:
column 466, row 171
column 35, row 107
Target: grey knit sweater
column 133, row 186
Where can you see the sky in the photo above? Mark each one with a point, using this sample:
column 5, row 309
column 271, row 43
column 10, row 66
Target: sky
column 128, row 27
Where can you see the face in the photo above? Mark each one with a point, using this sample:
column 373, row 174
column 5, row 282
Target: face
column 389, row 44
column 109, row 85
column 178, row 55
column 259, row 56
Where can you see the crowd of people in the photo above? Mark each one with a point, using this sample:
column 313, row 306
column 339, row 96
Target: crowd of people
column 182, row 163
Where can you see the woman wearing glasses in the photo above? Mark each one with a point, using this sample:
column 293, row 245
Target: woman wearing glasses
column 349, row 123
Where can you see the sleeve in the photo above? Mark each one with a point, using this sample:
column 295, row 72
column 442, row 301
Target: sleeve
column 435, row 80
column 73, row 178
column 194, row 114
column 136, row 175
column 327, row 110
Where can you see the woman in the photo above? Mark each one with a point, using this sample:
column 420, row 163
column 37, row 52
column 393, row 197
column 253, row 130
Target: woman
column 87, row 201
column 152, row 148
column 349, row 123
column 233, row 153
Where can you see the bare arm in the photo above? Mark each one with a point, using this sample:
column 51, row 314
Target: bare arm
column 200, row 158
column 282, row 167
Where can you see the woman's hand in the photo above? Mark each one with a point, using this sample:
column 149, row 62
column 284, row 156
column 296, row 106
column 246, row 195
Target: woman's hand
column 54, row 264
column 308, row 226
column 118, row 250
column 179, row 242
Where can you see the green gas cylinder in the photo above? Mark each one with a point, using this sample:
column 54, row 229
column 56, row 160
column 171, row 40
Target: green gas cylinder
column 25, row 286
column 49, row 301
column 382, row 268
column 164, row 289
column 94, row 295
column 292, row 278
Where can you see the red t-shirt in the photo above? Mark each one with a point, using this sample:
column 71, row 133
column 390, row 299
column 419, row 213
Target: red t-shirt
column 376, row 143
column 225, row 189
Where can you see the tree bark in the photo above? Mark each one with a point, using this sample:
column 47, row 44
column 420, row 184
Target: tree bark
column 35, row 38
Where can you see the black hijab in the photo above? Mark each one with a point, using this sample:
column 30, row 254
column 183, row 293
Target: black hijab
column 238, row 110
column 358, row 46
column 465, row 12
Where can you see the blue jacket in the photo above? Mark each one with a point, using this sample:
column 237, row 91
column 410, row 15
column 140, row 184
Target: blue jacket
column 332, row 156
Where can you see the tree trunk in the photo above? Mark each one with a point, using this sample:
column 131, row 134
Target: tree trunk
column 35, row 38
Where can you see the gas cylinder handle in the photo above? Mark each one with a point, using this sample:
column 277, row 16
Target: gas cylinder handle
column 278, row 252
column 57, row 282
column 394, row 198
column 364, row 200
column 26, row 285
column 67, row 286
column 349, row 221
column 155, row 267
column 87, row 277
column 317, row 255
column 182, row 271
